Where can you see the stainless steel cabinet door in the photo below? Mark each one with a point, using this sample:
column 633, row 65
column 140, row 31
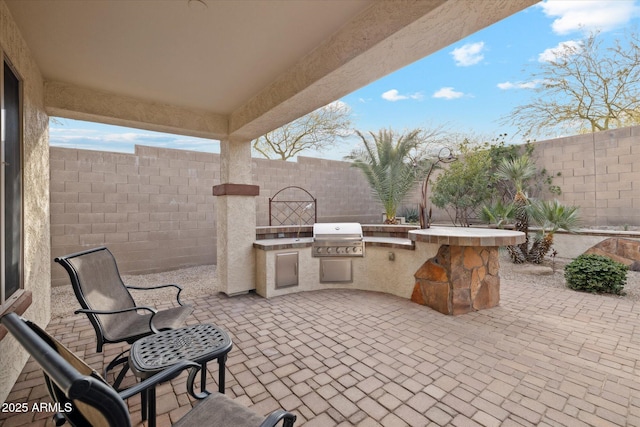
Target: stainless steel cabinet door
column 286, row 269
column 335, row 270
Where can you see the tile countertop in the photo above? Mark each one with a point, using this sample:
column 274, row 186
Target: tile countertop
column 305, row 242
column 464, row 236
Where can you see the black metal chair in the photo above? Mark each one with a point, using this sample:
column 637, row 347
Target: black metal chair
column 85, row 399
column 109, row 305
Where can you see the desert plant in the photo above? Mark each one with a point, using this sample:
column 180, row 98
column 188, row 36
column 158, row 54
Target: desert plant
column 498, row 213
column 465, row 185
column 518, row 170
column 596, row 274
column 551, row 216
column 411, row 215
column 387, row 163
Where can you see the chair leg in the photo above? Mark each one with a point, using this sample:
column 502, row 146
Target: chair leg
column 123, row 372
column 120, row 359
column 191, row 383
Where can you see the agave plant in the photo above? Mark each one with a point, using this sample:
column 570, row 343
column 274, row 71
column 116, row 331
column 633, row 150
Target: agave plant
column 551, row 216
column 499, row 213
column 386, row 163
column 518, row 170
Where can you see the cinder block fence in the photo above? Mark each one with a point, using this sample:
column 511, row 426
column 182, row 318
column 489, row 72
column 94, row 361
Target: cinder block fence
column 155, row 209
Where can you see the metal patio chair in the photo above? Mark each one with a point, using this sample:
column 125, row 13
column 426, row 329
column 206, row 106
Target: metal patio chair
column 109, row 305
column 85, row 399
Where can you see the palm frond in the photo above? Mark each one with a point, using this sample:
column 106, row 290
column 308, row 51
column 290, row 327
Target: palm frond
column 384, row 161
column 552, row 216
column 518, row 170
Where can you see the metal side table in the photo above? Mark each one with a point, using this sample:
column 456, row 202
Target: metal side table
column 197, row 343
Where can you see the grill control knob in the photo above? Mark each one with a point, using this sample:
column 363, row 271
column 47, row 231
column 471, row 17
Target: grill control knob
column 328, row 250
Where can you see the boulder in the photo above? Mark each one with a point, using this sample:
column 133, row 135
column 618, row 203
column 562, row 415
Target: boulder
column 625, row 251
column 534, row 269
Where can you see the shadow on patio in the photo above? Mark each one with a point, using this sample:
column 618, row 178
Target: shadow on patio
column 546, row 356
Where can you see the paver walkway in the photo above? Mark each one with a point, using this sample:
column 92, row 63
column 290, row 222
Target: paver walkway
column 545, row 356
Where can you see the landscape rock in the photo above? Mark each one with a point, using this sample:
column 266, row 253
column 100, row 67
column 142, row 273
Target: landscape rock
column 625, row 251
column 536, row 270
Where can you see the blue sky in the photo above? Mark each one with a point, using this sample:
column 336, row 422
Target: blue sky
column 464, row 88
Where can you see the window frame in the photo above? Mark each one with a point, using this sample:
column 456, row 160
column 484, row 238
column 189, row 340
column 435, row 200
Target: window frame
column 19, row 300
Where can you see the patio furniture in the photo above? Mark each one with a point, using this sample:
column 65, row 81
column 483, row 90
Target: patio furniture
column 85, row 399
column 198, row 343
column 108, row 304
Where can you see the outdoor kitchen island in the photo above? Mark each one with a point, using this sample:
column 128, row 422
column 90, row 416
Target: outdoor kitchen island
column 285, row 263
column 464, row 274
column 460, row 273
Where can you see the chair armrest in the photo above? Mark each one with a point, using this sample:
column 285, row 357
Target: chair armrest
column 160, row 377
column 124, row 310
column 276, row 416
column 149, row 288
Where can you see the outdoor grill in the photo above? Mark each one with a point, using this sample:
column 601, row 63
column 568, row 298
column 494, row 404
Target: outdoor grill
column 338, row 239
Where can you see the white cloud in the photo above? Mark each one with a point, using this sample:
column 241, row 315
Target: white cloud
column 469, row 54
column 338, row 106
column 589, row 15
column 567, row 48
column 393, row 95
column 447, row 93
column 518, row 85
column 63, row 133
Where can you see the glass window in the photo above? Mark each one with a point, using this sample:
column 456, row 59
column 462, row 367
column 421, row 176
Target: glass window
column 11, row 227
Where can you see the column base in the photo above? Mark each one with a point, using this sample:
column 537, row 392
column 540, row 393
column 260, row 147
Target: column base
column 459, row 279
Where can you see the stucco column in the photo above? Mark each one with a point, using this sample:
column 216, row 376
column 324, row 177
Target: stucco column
column 235, row 218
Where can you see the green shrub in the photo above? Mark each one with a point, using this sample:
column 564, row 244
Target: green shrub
column 596, row 273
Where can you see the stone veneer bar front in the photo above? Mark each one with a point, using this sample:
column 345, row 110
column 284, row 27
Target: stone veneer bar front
column 463, row 276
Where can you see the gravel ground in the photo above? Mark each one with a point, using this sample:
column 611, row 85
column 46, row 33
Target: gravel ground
column 513, row 272
column 195, row 281
column 200, row 280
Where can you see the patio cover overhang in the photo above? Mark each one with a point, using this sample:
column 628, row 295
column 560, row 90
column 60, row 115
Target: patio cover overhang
column 230, row 70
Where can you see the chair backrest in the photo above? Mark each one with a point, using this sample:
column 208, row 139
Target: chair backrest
column 84, row 398
column 97, row 284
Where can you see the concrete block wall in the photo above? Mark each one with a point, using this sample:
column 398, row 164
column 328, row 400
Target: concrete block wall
column 342, row 192
column 155, row 210
column 600, row 172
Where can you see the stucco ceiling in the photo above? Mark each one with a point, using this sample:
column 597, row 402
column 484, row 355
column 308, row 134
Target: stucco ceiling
column 239, row 67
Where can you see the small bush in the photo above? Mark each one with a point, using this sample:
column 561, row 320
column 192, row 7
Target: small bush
column 596, row 273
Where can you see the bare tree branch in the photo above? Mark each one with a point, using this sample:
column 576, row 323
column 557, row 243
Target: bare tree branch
column 587, row 88
column 318, row 130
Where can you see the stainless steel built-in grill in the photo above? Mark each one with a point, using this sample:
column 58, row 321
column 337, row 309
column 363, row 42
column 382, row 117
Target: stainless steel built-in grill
column 338, row 239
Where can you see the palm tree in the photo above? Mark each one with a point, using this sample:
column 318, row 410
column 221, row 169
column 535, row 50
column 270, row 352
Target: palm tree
column 518, row 170
column 551, row 216
column 388, row 166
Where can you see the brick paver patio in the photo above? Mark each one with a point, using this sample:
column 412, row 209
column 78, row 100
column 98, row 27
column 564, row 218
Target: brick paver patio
column 545, row 356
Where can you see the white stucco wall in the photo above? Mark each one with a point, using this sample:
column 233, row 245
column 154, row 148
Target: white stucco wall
column 37, row 270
